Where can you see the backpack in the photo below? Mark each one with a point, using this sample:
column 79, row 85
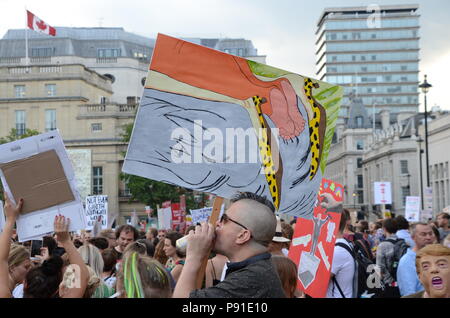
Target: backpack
column 364, row 267
column 400, row 248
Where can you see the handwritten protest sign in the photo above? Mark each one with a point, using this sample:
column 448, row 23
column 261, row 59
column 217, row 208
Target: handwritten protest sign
column 96, row 206
column 412, row 209
column 312, row 245
column 203, row 215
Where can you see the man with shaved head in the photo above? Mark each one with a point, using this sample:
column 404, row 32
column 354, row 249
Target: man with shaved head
column 242, row 235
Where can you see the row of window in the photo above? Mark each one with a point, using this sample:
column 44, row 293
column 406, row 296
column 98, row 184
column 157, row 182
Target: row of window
column 383, row 89
column 371, row 35
column 364, row 57
column 380, row 22
column 357, row 79
column 388, row 100
column 236, row 51
column 378, row 67
column 49, row 90
column 50, row 121
column 366, row 46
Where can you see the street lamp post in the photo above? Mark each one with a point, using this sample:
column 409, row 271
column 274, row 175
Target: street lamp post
column 420, row 168
column 425, row 87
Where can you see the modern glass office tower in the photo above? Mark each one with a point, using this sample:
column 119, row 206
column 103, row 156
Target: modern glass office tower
column 372, row 54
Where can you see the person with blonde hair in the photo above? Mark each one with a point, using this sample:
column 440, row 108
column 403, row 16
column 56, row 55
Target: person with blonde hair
column 142, row 277
column 93, row 258
column 41, row 281
column 433, row 269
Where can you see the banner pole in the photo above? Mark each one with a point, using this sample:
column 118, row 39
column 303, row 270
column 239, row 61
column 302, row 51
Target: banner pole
column 218, row 201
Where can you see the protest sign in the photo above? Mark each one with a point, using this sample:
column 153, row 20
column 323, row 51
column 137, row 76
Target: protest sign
column 427, row 212
column 38, row 170
column 96, row 206
column 198, row 102
column 203, row 215
column 313, row 241
column 81, row 160
column 412, row 209
column 382, row 193
column 165, row 216
column 176, row 216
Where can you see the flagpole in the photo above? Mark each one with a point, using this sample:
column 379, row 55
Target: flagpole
column 26, row 39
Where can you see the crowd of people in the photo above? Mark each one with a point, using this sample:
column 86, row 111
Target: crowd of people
column 246, row 255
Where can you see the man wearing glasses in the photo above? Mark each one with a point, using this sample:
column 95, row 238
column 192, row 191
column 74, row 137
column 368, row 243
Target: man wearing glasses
column 242, row 234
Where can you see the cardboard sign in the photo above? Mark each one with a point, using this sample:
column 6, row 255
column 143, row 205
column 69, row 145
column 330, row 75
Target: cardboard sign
column 39, row 180
column 427, row 212
column 382, row 193
column 96, row 206
column 199, row 102
column 47, row 184
column 312, row 245
column 412, row 209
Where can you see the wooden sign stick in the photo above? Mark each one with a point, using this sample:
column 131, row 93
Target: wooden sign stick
column 218, row 201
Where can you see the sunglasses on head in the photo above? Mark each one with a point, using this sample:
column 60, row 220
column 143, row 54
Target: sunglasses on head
column 225, row 218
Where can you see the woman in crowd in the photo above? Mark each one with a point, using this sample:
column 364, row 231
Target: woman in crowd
column 287, row 271
column 109, row 268
column 176, row 256
column 142, row 277
column 41, row 281
column 93, row 258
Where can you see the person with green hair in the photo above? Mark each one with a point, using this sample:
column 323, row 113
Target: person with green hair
column 142, row 277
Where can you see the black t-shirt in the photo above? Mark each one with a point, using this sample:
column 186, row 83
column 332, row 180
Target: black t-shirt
column 118, row 254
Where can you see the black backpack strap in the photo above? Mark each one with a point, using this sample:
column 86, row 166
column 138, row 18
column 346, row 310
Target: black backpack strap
column 346, row 247
column 339, row 287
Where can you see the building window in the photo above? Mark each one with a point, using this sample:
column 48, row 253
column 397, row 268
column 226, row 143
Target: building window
column 50, row 90
column 404, row 166
column 50, row 119
column 102, row 100
column 240, row 52
column 20, row 122
column 358, row 162
column 359, row 145
column 97, row 180
column 360, row 181
column 43, row 52
column 359, row 124
column 19, row 91
column 108, row 52
column 405, row 193
column 131, row 100
column 96, row 127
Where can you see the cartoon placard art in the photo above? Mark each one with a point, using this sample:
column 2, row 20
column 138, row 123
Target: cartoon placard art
column 218, row 123
column 312, row 245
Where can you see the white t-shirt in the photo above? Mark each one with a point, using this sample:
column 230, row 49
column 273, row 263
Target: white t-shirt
column 343, row 268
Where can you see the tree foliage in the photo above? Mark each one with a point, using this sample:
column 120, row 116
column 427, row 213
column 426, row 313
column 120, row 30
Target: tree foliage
column 13, row 136
column 151, row 192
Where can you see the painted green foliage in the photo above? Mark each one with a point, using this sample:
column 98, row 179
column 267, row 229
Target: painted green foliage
column 328, row 95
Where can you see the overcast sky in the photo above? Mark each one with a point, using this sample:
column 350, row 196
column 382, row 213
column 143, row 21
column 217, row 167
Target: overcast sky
column 284, row 30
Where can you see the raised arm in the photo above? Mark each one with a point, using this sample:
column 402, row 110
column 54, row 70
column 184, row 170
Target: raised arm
column 199, row 245
column 11, row 213
column 62, row 234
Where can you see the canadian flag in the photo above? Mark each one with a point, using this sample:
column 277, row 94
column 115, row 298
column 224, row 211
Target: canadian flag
column 38, row 25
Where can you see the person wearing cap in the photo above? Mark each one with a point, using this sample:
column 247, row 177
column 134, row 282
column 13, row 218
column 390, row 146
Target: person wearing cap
column 276, row 247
